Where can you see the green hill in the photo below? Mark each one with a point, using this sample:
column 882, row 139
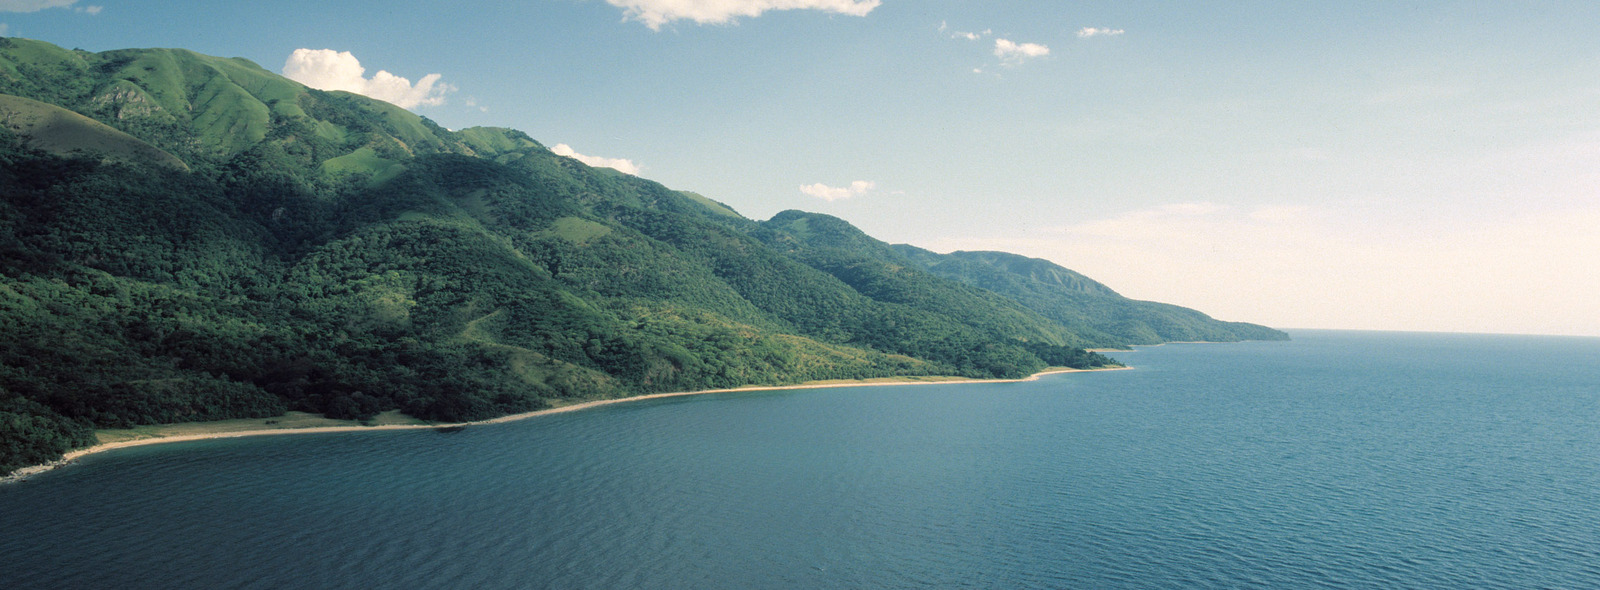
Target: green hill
column 62, row 132
column 220, row 242
column 874, row 269
column 1081, row 304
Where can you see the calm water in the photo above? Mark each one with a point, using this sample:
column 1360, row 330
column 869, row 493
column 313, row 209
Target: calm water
column 1338, row 460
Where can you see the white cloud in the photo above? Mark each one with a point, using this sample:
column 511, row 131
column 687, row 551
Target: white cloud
column 326, row 69
column 1087, row 32
column 1011, row 52
column 38, row 5
column 831, row 193
column 620, row 164
column 33, row 5
column 944, row 27
column 655, row 13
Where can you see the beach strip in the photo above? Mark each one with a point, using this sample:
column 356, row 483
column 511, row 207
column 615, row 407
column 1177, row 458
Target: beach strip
column 202, row 434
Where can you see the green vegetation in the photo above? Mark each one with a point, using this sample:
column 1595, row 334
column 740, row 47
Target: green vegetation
column 1101, row 316
column 364, row 162
column 323, row 252
column 62, row 132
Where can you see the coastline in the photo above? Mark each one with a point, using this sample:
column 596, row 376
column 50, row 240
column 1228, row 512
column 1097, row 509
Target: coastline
column 202, row 433
column 1134, row 347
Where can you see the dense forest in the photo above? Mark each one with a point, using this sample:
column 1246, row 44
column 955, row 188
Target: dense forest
column 185, row 237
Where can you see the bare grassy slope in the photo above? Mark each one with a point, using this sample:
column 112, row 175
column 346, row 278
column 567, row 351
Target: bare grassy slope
column 62, row 132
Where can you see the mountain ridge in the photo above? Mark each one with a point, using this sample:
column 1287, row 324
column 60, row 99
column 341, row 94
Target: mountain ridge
column 331, row 253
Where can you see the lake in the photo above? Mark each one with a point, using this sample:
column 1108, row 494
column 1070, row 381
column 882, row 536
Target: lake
column 1336, row 460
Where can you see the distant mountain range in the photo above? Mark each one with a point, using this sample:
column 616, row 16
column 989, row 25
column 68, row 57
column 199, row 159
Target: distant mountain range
column 186, row 237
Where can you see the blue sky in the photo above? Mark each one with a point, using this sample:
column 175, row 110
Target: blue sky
column 1375, row 165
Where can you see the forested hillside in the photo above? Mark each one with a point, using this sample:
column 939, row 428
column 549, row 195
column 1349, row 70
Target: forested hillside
column 1099, row 315
column 185, row 237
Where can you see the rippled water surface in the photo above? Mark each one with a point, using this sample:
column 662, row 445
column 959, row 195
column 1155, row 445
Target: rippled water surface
column 1338, row 460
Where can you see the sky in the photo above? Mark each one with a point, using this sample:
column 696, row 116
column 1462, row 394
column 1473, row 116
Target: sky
column 1395, row 165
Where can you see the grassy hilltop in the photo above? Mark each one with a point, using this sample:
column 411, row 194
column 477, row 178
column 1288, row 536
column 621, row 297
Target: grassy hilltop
column 185, row 237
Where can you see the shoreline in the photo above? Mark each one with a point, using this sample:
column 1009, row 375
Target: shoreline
column 1136, row 347
column 70, row 456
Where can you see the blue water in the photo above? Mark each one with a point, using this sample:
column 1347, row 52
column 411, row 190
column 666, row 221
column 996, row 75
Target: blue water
column 1337, row 460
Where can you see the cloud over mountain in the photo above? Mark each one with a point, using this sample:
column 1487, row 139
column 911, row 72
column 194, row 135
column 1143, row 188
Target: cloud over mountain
column 326, row 69
column 623, row 165
column 834, row 193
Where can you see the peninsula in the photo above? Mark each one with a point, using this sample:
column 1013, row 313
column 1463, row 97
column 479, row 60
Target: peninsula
column 187, row 238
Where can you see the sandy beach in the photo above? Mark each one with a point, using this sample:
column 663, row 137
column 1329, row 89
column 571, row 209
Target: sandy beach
column 302, row 423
